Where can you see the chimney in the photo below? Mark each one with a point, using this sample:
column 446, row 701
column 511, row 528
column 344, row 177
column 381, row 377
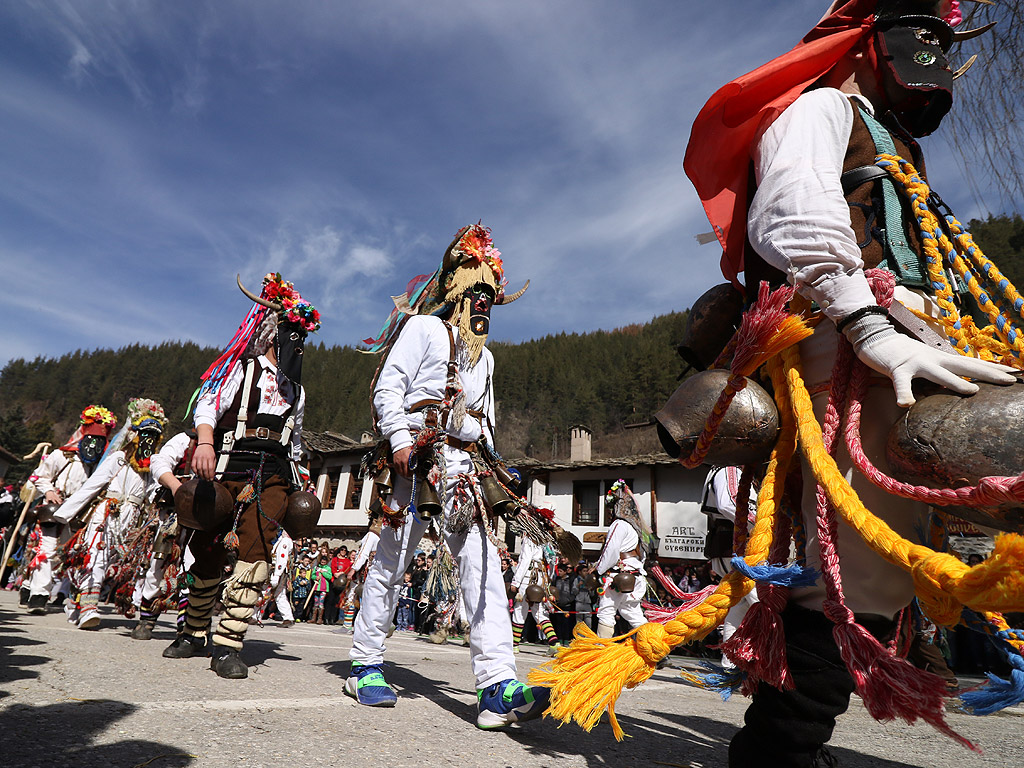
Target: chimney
column 579, row 444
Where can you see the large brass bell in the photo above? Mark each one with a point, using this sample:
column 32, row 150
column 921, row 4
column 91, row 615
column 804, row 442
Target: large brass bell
column 302, row 514
column 746, row 435
column 948, row 441
column 383, row 481
column 624, row 582
column 427, row 502
column 534, row 593
column 203, row 505
column 496, row 498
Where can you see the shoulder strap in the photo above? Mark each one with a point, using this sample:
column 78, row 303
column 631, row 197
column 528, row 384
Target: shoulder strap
column 900, row 258
column 451, row 384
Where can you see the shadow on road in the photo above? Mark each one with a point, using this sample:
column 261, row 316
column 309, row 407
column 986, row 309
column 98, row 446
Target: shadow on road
column 15, row 665
column 65, row 734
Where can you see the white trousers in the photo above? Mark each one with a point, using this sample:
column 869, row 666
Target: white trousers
column 148, row 587
column 626, row 605
column 871, row 585
column 484, row 606
column 284, row 605
column 522, row 609
column 41, row 579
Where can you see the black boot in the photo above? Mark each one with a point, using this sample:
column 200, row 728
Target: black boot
column 58, row 601
column 37, row 604
column 185, row 647
column 228, row 664
column 144, row 629
column 789, row 729
column 23, row 596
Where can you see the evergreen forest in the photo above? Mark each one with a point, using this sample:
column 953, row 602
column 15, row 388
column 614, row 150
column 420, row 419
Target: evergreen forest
column 604, row 380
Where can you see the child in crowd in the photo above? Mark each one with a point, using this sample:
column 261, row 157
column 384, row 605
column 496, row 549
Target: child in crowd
column 301, row 582
column 406, row 603
column 321, row 583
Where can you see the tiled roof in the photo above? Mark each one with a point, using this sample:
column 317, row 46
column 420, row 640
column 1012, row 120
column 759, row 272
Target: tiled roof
column 329, row 442
column 646, row 459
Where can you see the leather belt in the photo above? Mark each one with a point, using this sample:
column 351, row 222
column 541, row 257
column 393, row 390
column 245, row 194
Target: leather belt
column 263, row 433
column 424, row 404
column 462, row 445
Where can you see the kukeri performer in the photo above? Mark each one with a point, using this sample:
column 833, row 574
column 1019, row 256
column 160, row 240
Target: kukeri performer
column 621, row 563
column 58, row 477
column 434, row 404
column 109, row 503
column 171, row 466
column 248, row 420
column 531, row 592
column 720, row 492
column 839, row 208
column 282, row 562
column 366, row 550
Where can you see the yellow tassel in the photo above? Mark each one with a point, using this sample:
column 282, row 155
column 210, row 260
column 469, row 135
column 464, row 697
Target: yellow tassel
column 588, row 676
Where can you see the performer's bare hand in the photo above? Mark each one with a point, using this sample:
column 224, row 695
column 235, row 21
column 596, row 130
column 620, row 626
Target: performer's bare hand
column 204, row 462
column 53, row 497
column 401, row 459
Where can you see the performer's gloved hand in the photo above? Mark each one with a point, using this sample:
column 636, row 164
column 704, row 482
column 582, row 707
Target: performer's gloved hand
column 884, row 349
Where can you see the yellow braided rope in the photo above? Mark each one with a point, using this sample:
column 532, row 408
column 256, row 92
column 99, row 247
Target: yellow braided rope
column 937, row 246
column 588, row 676
column 942, row 581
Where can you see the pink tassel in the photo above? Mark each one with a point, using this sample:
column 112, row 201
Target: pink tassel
column 892, row 687
column 759, row 645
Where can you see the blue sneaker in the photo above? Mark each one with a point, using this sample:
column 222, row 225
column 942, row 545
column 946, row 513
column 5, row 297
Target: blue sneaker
column 509, row 702
column 366, row 684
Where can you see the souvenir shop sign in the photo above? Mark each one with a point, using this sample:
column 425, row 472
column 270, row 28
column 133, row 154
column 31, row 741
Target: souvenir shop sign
column 682, row 528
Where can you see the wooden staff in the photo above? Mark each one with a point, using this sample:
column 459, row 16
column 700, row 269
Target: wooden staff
column 14, row 538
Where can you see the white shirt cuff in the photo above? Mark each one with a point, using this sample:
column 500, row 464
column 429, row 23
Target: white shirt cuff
column 400, row 439
column 839, row 295
column 198, row 420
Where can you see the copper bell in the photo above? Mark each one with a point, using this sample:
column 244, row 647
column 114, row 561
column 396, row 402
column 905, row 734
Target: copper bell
column 496, row 498
column 624, row 582
column 535, row 593
column 383, row 481
column 427, row 502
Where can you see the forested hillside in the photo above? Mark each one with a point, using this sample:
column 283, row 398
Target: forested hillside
column 602, row 380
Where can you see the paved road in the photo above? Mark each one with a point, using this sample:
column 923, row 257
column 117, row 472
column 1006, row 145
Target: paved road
column 74, row 698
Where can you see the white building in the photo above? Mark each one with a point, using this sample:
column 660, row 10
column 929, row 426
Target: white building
column 669, row 496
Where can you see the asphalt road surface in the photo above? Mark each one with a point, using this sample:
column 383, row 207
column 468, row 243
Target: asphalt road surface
column 75, row 698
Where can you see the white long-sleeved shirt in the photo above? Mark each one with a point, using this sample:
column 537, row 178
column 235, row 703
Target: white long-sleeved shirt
column 367, row 546
column 799, row 220
column 530, row 559
column 416, row 369
column 116, row 479
column 725, row 485
column 169, row 456
column 622, row 537
column 59, row 473
column 209, row 412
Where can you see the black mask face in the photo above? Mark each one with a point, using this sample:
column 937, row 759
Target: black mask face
column 148, row 440
column 481, row 299
column 90, row 448
column 288, row 344
column 917, row 80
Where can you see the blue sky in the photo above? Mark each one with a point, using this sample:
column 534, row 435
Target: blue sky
column 152, row 150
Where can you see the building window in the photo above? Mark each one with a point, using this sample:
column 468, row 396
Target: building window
column 333, row 481
column 609, row 508
column 586, row 497
column 355, row 489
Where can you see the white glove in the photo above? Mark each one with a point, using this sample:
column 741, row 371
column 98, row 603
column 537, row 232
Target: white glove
column 882, row 348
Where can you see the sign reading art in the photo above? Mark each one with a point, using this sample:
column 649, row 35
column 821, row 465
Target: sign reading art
column 682, row 528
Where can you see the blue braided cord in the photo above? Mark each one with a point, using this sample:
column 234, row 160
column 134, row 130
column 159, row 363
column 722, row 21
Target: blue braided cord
column 996, row 694
column 716, row 678
column 792, row 576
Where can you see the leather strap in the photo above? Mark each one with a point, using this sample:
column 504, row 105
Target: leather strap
column 263, row 433
column 462, row 445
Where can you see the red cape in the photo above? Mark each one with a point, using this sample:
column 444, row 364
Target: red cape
column 718, row 154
